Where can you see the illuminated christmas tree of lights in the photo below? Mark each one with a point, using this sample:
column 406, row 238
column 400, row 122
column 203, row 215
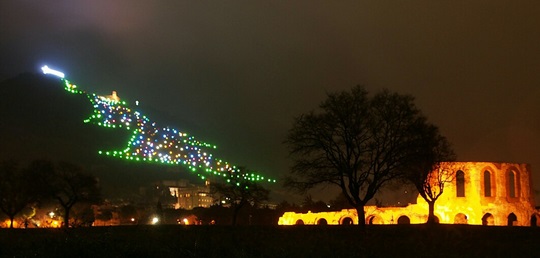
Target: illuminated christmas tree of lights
column 150, row 143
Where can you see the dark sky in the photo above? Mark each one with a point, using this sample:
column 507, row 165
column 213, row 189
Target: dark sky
column 236, row 73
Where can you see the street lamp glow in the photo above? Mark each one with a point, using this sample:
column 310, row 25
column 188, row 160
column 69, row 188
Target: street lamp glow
column 47, row 70
column 155, row 220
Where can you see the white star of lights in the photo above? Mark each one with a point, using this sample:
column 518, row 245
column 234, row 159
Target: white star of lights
column 47, row 70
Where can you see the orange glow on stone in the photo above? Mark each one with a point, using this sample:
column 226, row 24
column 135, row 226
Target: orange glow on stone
column 502, row 204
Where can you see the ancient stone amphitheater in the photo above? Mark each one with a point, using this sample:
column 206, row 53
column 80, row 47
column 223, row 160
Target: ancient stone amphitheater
column 482, row 193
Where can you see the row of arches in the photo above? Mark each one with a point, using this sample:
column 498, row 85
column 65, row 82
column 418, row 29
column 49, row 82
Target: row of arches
column 489, row 184
column 487, row 220
column 323, row 221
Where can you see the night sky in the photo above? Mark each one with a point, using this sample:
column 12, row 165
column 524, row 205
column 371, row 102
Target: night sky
column 236, row 73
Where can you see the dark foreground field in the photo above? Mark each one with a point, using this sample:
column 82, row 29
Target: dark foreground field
column 259, row 241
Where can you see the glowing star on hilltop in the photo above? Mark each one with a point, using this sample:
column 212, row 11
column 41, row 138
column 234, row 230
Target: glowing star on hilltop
column 47, row 70
column 150, row 143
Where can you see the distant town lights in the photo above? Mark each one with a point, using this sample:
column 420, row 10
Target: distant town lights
column 47, row 70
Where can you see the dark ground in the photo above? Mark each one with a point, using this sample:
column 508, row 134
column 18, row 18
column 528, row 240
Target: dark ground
column 273, row 241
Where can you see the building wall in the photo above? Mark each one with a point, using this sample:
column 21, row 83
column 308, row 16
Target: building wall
column 180, row 194
column 493, row 194
column 195, row 196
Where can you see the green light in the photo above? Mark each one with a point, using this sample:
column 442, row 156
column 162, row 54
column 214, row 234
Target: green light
column 192, row 153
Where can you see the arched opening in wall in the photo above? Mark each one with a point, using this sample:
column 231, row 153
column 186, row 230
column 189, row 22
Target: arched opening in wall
column 461, row 218
column 299, row 222
column 346, row 221
column 426, row 218
column 512, row 219
column 460, row 184
column 534, row 220
column 487, row 183
column 374, row 220
column 404, row 220
column 322, row 222
column 488, row 220
column 511, row 184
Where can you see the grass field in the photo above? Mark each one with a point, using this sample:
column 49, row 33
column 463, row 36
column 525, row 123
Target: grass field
column 273, row 241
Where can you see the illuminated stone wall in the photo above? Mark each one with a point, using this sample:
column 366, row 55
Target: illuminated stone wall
column 487, row 194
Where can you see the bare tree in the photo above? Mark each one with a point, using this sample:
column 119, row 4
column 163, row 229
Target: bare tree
column 17, row 189
column 428, row 171
column 69, row 185
column 356, row 142
column 82, row 215
column 239, row 191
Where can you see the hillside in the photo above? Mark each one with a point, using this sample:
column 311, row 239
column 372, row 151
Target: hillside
column 40, row 120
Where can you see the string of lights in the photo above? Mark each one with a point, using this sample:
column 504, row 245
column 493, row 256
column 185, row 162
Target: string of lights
column 154, row 144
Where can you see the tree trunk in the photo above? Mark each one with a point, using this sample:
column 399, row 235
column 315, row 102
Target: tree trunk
column 361, row 216
column 66, row 217
column 236, row 210
column 431, row 214
column 234, row 215
column 11, row 218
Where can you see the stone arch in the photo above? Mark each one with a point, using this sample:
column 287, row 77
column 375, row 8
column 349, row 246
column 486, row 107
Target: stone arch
column 403, row 220
column 512, row 219
column 511, row 183
column 460, row 183
column 488, row 183
column 322, row 221
column 425, row 218
column 299, row 222
column 346, row 221
column 492, row 182
column 488, row 220
column 374, row 219
column 461, row 218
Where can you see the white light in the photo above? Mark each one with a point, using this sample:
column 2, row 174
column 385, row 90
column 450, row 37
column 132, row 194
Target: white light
column 155, row 220
column 47, row 70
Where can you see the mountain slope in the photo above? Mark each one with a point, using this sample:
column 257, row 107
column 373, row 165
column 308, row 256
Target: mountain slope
column 40, row 120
